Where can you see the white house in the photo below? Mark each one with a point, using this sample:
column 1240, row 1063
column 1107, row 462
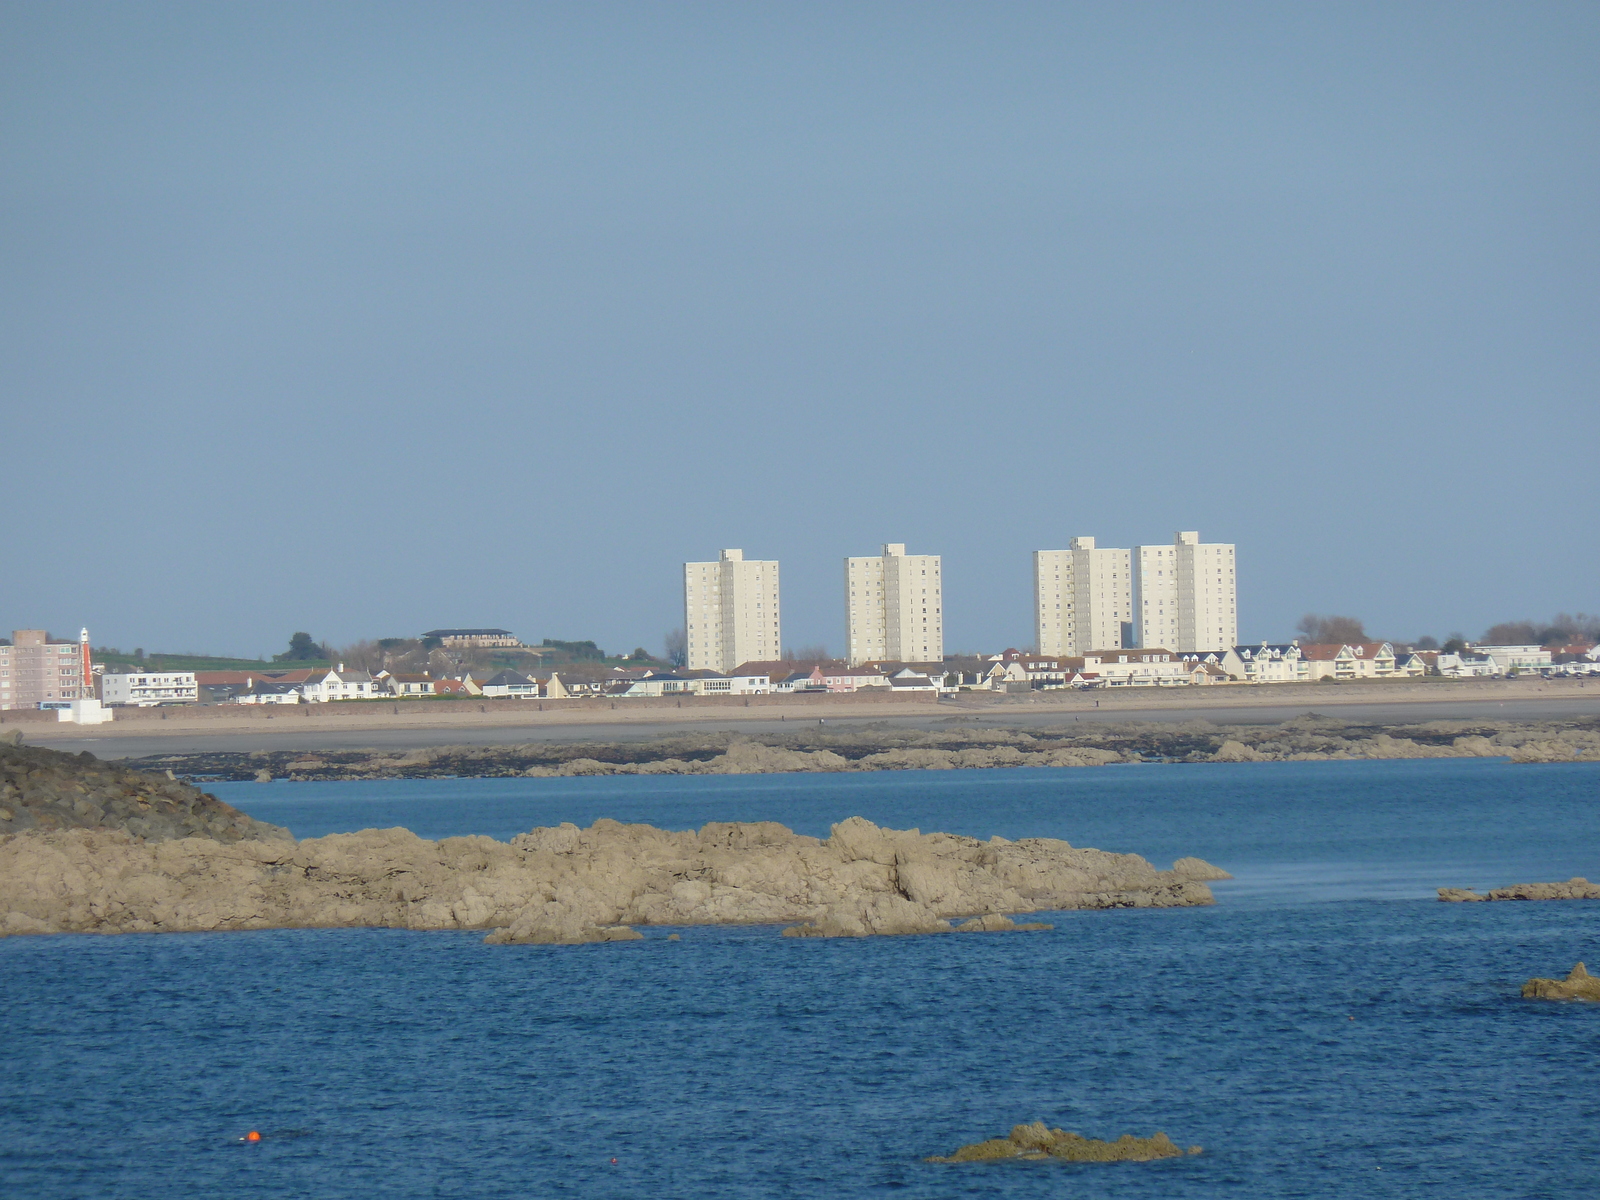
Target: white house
column 1136, row 667
column 510, row 683
column 1358, row 660
column 1467, row 665
column 1266, row 663
column 267, row 692
column 149, row 689
column 405, row 686
column 1516, row 658
column 324, row 687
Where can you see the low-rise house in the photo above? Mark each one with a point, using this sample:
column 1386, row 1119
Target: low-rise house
column 907, row 680
column 1516, row 658
column 1025, row 672
column 1412, row 665
column 265, row 692
column 149, row 689
column 406, row 686
column 712, row 683
column 1202, row 673
column 1358, row 660
column 1137, row 666
column 510, row 684
column 664, row 683
column 1578, row 659
column 1468, row 665
column 325, row 687
column 452, row 687
column 1269, row 662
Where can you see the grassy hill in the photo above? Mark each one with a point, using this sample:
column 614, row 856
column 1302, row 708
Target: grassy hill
column 198, row 662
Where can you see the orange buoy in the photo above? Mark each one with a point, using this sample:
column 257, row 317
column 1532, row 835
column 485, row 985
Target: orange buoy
column 252, row 1136
column 613, row 1162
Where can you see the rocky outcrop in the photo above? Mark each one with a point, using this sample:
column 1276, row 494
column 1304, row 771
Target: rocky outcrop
column 46, row 789
column 959, row 744
column 565, row 884
column 1038, row 1143
column 1578, row 985
column 1576, row 888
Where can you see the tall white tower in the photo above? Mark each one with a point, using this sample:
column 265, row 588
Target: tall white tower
column 1186, row 594
column 1083, row 598
column 730, row 612
column 894, row 607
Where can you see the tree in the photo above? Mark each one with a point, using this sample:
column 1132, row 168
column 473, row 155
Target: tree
column 675, row 644
column 640, row 654
column 817, row 653
column 1512, row 633
column 1427, row 642
column 1329, row 631
column 302, row 648
column 1454, row 644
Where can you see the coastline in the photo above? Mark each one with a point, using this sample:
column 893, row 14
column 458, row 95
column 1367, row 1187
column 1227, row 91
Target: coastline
column 416, row 724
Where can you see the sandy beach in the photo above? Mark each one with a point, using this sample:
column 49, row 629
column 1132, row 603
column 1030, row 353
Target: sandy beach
column 417, row 724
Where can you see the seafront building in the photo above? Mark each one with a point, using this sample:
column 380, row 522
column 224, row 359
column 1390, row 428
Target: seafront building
column 894, row 607
column 38, row 669
column 1082, row 598
column 149, row 689
column 1185, row 595
column 731, row 612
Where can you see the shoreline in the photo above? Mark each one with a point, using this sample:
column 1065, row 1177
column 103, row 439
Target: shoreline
column 880, row 746
column 415, row 724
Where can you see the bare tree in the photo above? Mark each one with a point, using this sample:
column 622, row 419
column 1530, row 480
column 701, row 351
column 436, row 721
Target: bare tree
column 675, row 643
column 1558, row 631
column 1324, row 631
column 816, row 653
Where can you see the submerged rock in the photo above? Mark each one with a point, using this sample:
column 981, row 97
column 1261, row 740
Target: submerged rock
column 1038, row 1143
column 564, row 884
column 1576, row 888
column 1579, row 985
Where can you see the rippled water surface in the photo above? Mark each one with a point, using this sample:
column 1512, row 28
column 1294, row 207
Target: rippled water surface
column 1326, row 1030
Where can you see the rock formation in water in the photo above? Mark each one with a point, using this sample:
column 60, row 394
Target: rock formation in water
column 46, row 789
column 1579, row 985
column 1040, row 1144
column 566, row 884
column 1576, row 888
column 959, row 743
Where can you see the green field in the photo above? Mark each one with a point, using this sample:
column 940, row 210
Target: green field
column 199, row 662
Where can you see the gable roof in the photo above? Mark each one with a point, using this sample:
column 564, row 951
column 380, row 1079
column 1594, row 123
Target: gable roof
column 507, row 679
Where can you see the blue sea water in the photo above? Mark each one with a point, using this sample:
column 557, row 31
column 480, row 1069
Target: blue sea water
column 1326, row 1030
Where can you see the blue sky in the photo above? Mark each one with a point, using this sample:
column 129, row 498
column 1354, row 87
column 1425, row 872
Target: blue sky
column 365, row 319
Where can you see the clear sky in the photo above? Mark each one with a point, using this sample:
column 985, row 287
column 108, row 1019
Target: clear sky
column 368, row 318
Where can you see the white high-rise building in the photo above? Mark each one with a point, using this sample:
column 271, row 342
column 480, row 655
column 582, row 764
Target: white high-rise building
column 1185, row 594
column 894, row 607
column 730, row 612
column 1083, row 598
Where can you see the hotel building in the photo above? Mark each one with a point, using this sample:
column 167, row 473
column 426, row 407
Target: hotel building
column 36, row 670
column 730, row 612
column 894, row 607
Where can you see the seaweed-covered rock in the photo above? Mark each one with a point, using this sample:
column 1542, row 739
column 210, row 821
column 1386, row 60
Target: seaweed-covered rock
column 1039, row 1143
column 1578, row 985
column 44, row 790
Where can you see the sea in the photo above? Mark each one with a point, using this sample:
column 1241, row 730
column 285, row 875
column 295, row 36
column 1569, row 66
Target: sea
column 1327, row 1029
